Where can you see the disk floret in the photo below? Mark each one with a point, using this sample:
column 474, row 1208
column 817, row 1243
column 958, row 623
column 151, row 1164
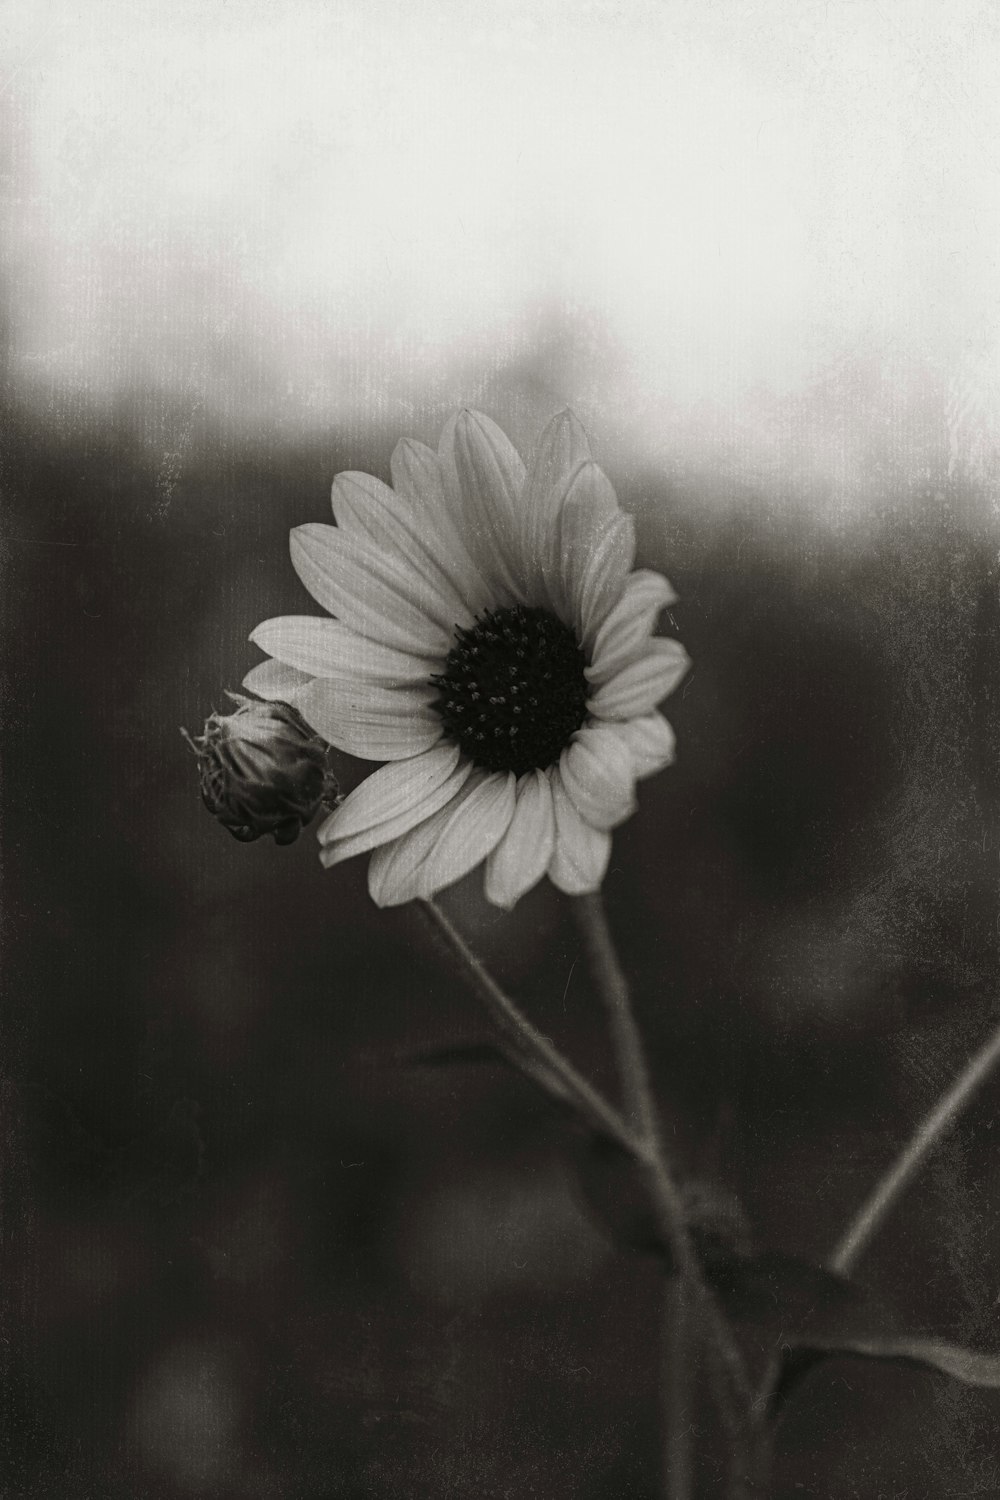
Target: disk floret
column 513, row 691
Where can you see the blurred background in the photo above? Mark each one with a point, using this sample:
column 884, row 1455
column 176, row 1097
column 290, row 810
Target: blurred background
column 250, row 1247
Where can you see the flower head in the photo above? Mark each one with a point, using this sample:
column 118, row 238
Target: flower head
column 263, row 770
column 492, row 644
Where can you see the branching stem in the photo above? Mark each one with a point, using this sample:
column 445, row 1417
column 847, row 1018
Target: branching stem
column 640, row 1107
column 894, row 1183
column 530, row 1050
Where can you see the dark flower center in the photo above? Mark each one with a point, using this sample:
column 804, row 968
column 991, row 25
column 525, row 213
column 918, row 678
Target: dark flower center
column 513, row 689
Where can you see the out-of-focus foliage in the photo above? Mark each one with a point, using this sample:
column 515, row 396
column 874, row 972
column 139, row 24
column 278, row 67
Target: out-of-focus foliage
column 249, row 1250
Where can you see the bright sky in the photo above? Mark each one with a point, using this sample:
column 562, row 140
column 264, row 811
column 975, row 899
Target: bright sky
column 750, row 236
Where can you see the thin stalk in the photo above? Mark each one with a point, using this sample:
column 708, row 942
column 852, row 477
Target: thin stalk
column 680, row 1355
column 894, row 1183
column 750, row 1471
column 529, row 1046
column 641, row 1113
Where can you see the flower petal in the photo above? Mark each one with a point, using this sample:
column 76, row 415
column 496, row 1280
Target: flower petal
column 391, row 801
column 637, row 688
column 624, row 633
column 446, row 846
column 604, row 577
column 581, row 853
column 470, row 835
column 370, row 721
column 650, row 741
column 391, row 791
column 326, row 648
column 520, row 859
column 416, row 474
column 387, row 601
column 598, row 777
column 275, row 680
column 596, row 549
column 373, row 514
column 484, row 477
column 559, row 452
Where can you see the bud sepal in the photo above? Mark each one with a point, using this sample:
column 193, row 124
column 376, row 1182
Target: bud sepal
column 263, row 770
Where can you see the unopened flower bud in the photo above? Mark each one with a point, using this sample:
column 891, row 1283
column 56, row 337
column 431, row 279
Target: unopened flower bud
column 263, row 770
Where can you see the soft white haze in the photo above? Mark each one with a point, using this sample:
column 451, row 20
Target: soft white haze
column 743, row 238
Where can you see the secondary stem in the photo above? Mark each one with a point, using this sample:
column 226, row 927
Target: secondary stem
column 895, row 1181
column 640, row 1106
column 529, row 1043
column 680, row 1351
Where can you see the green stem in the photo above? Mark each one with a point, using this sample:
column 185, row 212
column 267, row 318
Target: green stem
column 680, row 1353
column 640, row 1108
column 532, row 1052
column 750, row 1473
column 894, row 1183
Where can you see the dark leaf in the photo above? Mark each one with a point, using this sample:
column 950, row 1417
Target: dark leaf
column 471, row 1054
column 967, row 1365
column 503, row 1054
column 786, row 1306
column 793, row 1303
column 805, row 1314
column 616, row 1196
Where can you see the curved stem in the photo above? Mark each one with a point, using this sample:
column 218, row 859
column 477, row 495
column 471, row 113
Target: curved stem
column 668, row 1204
column 529, row 1046
column 894, row 1183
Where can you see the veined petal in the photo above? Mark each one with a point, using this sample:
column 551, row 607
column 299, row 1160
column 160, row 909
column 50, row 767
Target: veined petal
column 327, row 648
column 470, row 834
column 604, row 577
column 596, row 547
column 624, row 633
column 598, row 777
column 484, row 477
column 416, row 474
column 581, row 852
column 372, row 513
column 650, row 742
column 637, row 688
column 391, row 791
column 559, row 452
column 275, row 680
column 520, row 859
column 372, row 722
column 392, row 801
column 369, row 591
column 393, row 868
column 446, row 846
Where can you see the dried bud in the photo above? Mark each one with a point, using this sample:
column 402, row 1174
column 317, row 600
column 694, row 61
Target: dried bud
column 263, row 770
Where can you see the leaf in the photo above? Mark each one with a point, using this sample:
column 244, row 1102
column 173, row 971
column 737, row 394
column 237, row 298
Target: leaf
column 967, row 1365
column 790, row 1308
column 509, row 1055
column 806, row 1314
column 615, row 1194
column 793, row 1303
column 472, row 1054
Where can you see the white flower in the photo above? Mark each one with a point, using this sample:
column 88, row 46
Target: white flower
column 492, row 644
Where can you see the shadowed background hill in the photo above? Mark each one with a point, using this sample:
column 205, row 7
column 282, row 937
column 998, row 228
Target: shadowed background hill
column 250, row 1248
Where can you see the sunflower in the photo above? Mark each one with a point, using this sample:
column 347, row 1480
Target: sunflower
column 492, row 645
